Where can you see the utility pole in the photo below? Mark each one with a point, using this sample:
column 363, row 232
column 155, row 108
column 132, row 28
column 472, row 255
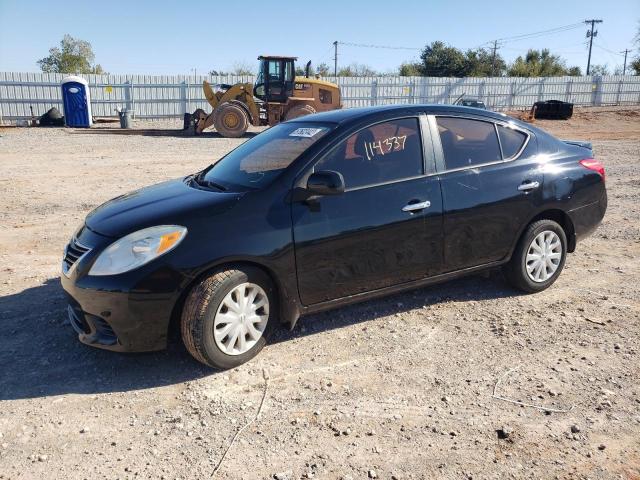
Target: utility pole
column 335, row 58
column 590, row 34
column 493, row 60
column 624, row 68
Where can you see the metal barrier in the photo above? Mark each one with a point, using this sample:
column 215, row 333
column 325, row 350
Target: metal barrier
column 172, row 96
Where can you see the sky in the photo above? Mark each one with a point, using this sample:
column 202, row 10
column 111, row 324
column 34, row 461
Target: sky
column 158, row 37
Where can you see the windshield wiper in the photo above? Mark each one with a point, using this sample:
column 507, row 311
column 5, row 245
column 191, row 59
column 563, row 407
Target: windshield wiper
column 199, row 179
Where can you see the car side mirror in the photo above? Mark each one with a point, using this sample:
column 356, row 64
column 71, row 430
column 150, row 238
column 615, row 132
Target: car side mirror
column 325, row 182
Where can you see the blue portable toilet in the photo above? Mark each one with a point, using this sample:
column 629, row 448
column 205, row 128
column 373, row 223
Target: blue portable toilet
column 76, row 102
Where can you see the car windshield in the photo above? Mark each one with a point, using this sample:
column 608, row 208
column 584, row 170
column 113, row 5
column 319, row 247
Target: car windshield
column 259, row 160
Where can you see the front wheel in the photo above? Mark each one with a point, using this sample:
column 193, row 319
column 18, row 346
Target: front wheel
column 230, row 120
column 228, row 317
column 538, row 258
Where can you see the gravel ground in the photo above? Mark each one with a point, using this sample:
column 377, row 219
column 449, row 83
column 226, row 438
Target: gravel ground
column 401, row 387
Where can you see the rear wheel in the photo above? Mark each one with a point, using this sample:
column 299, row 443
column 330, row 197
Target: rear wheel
column 539, row 257
column 299, row 111
column 228, row 317
column 230, row 120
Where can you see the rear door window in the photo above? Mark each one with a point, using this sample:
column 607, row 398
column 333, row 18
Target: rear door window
column 381, row 153
column 467, row 142
column 511, row 141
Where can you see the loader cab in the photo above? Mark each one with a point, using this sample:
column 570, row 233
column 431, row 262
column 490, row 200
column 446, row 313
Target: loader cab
column 276, row 78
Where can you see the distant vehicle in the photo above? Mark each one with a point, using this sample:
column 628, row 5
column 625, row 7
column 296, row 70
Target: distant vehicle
column 323, row 211
column 277, row 95
column 471, row 102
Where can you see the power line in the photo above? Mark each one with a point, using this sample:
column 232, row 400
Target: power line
column 583, row 43
column 513, row 38
column 495, row 44
column 540, row 33
column 387, row 47
column 611, row 51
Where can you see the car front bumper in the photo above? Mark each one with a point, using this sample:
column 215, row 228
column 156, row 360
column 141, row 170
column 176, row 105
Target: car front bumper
column 121, row 321
column 129, row 312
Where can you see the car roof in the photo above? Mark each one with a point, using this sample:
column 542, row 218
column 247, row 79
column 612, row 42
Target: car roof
column 349, row 115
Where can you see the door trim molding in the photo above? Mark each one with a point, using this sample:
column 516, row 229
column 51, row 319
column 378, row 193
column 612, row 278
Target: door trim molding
column 381, row 292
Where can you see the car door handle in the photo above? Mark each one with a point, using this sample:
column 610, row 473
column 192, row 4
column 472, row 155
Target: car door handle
column 525, row 187
column 412, row 207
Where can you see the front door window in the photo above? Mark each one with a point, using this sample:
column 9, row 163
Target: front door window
column 384, row 152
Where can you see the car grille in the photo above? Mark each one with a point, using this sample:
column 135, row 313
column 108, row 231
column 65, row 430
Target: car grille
column 72, row 254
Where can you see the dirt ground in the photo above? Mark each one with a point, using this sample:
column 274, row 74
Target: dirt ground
column 401, row 387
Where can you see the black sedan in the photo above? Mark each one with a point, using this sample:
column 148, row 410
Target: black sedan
column 323, row 211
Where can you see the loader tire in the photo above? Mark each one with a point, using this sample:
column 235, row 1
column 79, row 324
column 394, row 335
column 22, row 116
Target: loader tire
column 230, row 120
column 299, row 111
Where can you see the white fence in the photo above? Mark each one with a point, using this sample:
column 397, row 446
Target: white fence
column 172, row 96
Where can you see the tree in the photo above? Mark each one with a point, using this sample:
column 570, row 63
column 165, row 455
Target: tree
column 301, row 70
column 322, row 70
column 574, row 72
column 356, row 70
column 440, row 60
column 410, row 69
column 242, row 68
column 73, row 56
column 539, row 63
column 635, row 63
column 599, row 70
column 482, row 63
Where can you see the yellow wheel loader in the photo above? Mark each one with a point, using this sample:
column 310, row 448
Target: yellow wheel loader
column 277, row 95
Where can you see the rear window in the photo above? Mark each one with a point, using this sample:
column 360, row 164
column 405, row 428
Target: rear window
column 261, row 159
column 511, row 141
column 467, row 142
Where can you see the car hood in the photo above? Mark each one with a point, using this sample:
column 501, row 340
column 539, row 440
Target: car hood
column 169, row 203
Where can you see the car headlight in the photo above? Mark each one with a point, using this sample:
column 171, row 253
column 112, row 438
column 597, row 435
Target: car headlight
column 137, row 248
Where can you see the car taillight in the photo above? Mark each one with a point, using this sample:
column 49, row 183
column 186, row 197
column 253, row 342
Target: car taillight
column 593, row 164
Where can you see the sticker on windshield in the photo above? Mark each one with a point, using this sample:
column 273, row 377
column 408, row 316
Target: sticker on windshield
column 305, row 132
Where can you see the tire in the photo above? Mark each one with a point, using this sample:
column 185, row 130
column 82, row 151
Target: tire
column 205, row 309
column 522, row 271
column 231, row 120
column 299, row 111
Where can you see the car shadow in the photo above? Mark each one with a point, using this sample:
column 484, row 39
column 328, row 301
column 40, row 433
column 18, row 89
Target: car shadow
column 151, row 132
column 486, row 286
column 40, row 355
